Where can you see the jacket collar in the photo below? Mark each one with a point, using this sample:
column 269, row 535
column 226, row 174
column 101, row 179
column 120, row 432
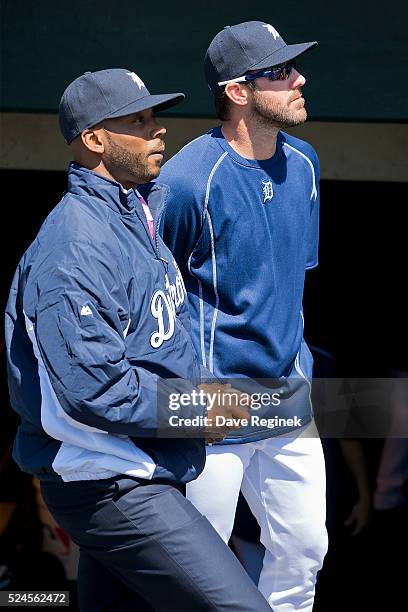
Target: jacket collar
column 155, row 195
column 83, row 181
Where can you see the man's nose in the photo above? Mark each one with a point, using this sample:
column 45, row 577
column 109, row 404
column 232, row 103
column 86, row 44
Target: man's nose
column 157, row 131
column 297, row 79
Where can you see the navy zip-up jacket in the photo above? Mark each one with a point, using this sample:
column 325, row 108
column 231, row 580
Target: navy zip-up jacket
column 97, row 317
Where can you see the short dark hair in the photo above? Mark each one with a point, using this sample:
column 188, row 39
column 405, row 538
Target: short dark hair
column 222, row 103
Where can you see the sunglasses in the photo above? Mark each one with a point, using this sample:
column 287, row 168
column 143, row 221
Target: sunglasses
column 275, row 73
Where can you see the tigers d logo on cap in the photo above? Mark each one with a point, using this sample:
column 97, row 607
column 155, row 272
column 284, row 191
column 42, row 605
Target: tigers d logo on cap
column 106, row 94
column 247, row 46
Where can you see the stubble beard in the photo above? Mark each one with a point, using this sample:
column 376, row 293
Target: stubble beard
column 121, row 161
column 275, row 114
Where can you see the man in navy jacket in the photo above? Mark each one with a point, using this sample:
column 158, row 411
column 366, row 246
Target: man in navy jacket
column 97, row 327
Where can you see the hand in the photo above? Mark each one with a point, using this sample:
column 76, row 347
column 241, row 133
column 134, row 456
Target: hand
column 359, row 515
column 224, row 411
column 213, row 439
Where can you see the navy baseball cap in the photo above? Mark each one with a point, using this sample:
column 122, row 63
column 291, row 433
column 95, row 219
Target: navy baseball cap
column 106, row 94
column 251, row 45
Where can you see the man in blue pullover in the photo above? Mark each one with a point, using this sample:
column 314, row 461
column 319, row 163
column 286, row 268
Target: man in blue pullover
column 242, row 221
column 97, row 326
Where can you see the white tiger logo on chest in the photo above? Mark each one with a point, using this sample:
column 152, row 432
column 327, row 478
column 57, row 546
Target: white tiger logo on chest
column 267, row 190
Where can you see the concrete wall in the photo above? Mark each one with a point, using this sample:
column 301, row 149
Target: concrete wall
column 347, row 151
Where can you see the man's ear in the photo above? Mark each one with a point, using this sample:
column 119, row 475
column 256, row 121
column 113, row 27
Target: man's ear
column 237, row 93
column 93, row 140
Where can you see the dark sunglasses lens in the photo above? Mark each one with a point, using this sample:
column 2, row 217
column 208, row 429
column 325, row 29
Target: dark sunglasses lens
column 287, row 69
column 281, row 73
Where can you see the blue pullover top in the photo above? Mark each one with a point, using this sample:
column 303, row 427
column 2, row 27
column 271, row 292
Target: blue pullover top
column 244, row 232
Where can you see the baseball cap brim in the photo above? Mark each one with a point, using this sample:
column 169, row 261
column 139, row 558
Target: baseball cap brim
column 286, row 53
column 159, row 102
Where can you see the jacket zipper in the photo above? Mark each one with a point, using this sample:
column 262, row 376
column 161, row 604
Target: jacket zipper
column 153, row 241
column 156, row 230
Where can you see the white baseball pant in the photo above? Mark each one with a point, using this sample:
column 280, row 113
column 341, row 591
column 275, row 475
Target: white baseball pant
column 283, row 480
